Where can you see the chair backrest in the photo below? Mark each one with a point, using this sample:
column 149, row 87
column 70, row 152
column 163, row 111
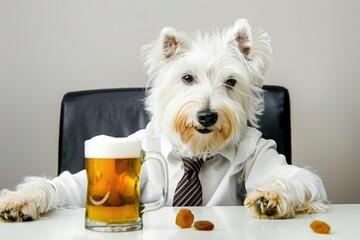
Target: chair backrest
column 120, row 112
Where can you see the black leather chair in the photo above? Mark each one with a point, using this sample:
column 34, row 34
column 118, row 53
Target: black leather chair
column 120, row 112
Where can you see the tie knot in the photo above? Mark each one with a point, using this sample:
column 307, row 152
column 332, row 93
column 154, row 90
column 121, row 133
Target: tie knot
column 193, row 164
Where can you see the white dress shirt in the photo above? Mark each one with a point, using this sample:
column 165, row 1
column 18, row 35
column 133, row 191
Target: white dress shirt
column 225, row 179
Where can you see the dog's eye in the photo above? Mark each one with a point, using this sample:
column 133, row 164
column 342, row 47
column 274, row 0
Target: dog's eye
column 230, row 83
column 188, row 78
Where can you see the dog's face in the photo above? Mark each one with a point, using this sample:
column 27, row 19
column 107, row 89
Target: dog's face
column 205, row 89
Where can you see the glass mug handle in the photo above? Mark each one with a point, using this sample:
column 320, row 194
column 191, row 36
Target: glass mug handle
column 164, row 176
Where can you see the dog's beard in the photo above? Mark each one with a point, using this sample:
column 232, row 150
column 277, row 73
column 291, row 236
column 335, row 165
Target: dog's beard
column 204, row 140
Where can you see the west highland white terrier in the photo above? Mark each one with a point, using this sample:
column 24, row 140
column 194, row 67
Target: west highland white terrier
column 205, row 91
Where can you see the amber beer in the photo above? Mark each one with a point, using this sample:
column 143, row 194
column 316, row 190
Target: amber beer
column 113, row 167
column 113, row 190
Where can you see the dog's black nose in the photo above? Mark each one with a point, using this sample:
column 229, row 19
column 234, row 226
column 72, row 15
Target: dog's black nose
column 207, row 118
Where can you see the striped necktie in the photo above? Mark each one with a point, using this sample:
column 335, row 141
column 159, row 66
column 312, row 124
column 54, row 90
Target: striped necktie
column 189, row 191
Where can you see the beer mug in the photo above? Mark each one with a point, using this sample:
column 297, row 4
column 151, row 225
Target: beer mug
column 113, row 168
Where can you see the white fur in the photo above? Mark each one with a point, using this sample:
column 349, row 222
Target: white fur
column 33, row 197
column 211, row 60
column 188, row 73
column 294, row 191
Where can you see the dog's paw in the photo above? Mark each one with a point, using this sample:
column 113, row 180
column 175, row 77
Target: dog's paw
column 15, row 207
column 264, row 204
column 32, row 198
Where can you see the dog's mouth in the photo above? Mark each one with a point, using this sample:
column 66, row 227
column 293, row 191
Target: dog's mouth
column 204, row 130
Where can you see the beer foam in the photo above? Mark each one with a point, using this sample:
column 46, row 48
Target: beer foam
column 104, row 146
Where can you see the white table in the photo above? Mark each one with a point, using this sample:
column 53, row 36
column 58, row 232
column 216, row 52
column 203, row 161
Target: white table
column 230, row 223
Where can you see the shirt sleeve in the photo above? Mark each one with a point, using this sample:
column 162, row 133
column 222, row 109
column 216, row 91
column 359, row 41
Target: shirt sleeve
column 259, row 167
column 268, row 165
column 70, row 189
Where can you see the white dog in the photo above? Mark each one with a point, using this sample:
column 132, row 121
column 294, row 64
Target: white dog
column 204, row 92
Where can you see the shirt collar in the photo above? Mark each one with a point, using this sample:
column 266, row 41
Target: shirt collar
column 228, row 153
column 167, row 148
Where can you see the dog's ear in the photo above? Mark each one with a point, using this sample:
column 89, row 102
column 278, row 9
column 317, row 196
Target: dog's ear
column 253, row 45
column 172, row 42
column 240, row 34
column 169, row 45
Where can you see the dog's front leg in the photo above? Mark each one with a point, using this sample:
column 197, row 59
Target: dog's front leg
column 298, row 191
column 33, row 197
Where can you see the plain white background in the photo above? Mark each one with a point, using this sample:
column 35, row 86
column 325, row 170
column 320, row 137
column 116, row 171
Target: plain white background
column 50, row 47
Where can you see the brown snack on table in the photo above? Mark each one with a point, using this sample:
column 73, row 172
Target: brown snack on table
column 204, row 225
column 320, row 227
column 184, row 218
